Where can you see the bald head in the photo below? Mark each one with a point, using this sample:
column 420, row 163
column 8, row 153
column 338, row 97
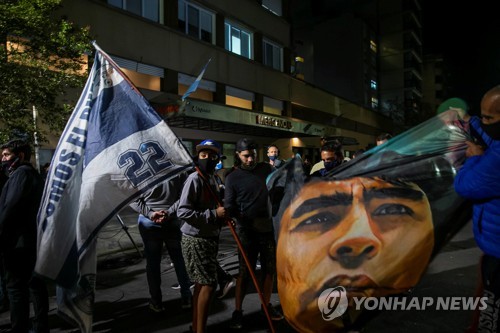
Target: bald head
column 491, row 101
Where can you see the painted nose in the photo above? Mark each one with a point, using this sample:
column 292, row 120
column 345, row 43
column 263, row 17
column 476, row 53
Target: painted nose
column 358, row 245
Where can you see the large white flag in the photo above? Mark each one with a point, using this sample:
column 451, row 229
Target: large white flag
column 114, row 147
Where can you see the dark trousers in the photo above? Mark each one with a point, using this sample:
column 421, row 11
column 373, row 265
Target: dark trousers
column 4, row 298
column 20, row 282
column 153, row 237
column 489, row 318
column 40, row 299
column 18, row 265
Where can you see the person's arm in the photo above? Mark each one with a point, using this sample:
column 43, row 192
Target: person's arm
column 475, row 123
column 18, row 186
column 478, row 178
column 141, row 207
column 230, row 197
column 187, row 207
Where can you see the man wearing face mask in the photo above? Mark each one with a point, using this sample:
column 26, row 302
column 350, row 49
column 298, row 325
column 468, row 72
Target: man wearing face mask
column 273, row 154
column 19, row 202
column 331, row 157
column 247, row 202
column 479, row 180
column 203, row 219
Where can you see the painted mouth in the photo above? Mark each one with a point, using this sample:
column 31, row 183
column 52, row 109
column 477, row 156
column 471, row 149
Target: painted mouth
column 353, row 284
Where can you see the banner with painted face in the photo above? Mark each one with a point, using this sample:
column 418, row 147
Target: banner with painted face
column 369, row 227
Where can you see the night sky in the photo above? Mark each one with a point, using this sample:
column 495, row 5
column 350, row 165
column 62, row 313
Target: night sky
column 467, row 34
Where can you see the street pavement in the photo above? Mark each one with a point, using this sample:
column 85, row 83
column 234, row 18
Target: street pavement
column 121, row 302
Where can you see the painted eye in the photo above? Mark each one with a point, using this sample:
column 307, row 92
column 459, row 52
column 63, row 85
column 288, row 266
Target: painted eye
column 393, row 209
column 321, row 221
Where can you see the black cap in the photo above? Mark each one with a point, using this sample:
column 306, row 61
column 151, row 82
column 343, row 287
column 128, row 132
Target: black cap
column 245, row 144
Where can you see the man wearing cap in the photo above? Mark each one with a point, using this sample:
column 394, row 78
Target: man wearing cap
column 198, row 208
column 247, row 202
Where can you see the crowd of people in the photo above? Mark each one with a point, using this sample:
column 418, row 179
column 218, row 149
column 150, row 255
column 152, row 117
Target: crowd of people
column 186, row 213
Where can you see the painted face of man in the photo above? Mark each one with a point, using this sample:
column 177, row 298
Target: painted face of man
column 371, row 236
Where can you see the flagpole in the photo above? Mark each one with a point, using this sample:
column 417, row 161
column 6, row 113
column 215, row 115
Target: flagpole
column 230, row 224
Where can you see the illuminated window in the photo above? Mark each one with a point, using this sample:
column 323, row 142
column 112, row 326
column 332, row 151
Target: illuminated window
column 373, row 84
column 273, row 55
column 238, row 40
column 239, row 98
column 142, row 75
column 273, row 106
column 374, row 102
column 373, row 46
column 149, row 9
column 196, row 21
column 205, row 91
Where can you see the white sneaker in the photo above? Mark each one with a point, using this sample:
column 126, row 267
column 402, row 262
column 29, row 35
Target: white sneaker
column 225, row 289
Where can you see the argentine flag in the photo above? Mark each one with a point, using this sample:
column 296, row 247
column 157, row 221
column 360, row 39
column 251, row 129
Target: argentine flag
column 114, row 148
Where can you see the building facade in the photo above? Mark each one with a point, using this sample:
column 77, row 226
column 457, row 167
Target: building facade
column 248, row 88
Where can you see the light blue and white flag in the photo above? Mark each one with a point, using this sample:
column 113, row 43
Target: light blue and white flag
column 114, row 148
column 192, row 88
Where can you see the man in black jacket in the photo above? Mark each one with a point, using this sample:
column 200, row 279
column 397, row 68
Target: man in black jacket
column 247, row 201
column 19, row 203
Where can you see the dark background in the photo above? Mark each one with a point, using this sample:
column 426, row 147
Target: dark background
column 467, row 34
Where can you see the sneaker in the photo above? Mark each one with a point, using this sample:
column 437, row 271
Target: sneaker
column 177, row 286
column 186, row 303
column 273, row 313
column 237, row 320
column 225, row 287
column 157, row 308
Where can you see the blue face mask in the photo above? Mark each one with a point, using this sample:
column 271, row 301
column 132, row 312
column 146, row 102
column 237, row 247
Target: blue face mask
column 330, row 165
column 218, row 166
column 272, row 157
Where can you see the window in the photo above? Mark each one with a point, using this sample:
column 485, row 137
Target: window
column 374, row 102
column 239, row 98
column 196, row 21
column 238, row 40
column 273, row 106
column 373, row 84
column 149, row 9
column 142, row 75
column 373, row 46
column 272, row 55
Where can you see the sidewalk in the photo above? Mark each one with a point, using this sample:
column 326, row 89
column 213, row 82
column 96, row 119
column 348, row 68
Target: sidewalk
column 121, row 303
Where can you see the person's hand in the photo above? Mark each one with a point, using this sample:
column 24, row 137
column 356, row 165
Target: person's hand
column 473, row 149
column 462, row 114
column 159, row 216
column 220, row 212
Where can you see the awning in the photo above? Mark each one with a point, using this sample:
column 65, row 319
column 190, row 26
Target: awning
column 201, row 115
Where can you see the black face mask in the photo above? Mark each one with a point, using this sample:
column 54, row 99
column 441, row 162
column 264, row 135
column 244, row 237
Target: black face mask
column 8, row 165
column 207, row 165
column 493, row 130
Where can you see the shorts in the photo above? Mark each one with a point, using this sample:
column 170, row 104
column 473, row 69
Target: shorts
column 200, row 255
column 255, row 243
